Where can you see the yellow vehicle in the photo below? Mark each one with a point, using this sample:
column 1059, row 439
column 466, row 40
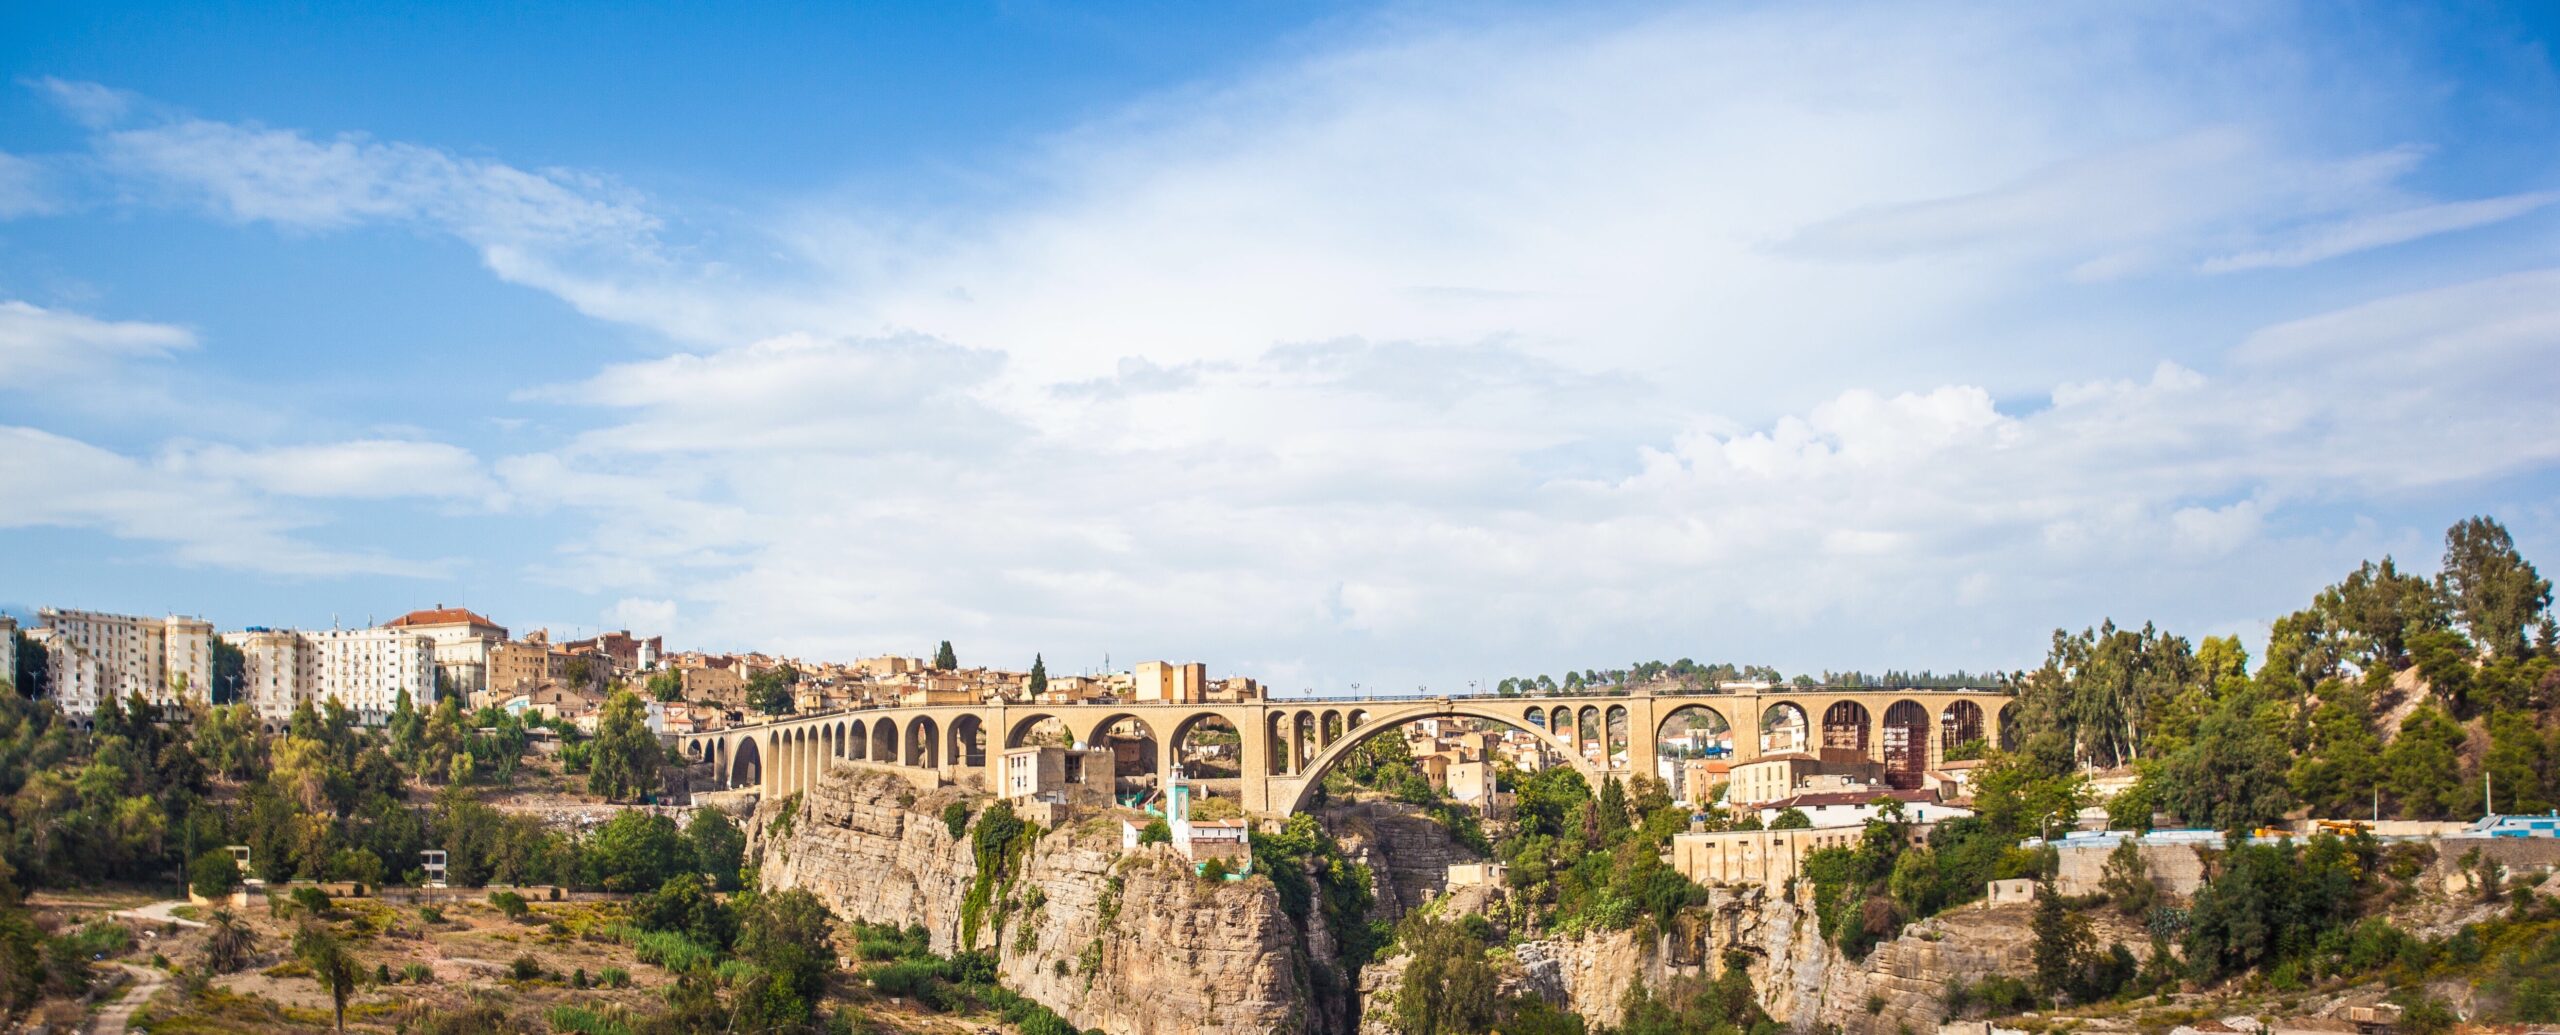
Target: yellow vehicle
column 2342, row 827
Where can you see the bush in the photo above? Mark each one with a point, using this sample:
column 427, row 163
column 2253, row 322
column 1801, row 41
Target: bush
column 311, row 901
column 955, row 817
column 431, row 914
column 526, row 967
column 510, row 903
column 670, row 950
column 1155, row 833
column 417, row 973
column 613, row 977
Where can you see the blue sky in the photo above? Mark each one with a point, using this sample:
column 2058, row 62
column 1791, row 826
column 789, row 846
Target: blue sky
column 1405, row 344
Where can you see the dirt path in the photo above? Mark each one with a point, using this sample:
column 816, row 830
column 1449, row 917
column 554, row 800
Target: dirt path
column 116, row 1017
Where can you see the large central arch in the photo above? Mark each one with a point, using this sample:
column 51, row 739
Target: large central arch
column 1384, row 720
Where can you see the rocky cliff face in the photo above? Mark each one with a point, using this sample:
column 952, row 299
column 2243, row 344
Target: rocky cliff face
column 1803, row 982
column 1125, row 943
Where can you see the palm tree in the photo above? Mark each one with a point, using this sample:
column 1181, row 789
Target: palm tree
column 331, row 964
column 227, row 943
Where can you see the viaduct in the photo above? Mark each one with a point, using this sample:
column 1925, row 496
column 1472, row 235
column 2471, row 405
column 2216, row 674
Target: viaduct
column 1288, row 745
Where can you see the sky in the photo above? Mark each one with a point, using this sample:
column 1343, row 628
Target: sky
column 1403, row 345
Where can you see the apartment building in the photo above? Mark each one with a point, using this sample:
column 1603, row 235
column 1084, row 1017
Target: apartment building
column 368, row 669
column 279, row 668
column 95, row 654
column 9, row 649
column 462, row 640
column 520, row 664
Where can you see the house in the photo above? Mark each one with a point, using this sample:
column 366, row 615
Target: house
column 1854, row 808
column 1070, row 776
column 1769, row 777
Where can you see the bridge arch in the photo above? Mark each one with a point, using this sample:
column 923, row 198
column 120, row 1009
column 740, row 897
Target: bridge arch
column 1207, row 766
column 746, row 764
column 1845, row 727
column 1959, row 723
column 2008, row 728
column 1785, row 727
column 1386, row 721
column 1021, row 732
column 968, row 741
column 884, row 740
column 1906, row 742
column 922, row 744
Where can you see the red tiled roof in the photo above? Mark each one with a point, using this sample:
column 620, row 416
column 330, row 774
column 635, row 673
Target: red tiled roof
column 440, row 616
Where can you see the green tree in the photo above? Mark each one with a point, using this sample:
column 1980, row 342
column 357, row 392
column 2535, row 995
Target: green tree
column 213, row 874
column 2422, row 769
column 624, row 761
column 2061, row 942
column 944, row 658
column 1039, row 674
column 635, row 852
column 769, row 691
column 336, row 969
column 2343, row 766
column 2378, row 607
column 2232, row 776
column 2495, row 592
column 667, row 685
column 1447, row 988
column 791, row 936
column 1791, row 819
column 719, row 847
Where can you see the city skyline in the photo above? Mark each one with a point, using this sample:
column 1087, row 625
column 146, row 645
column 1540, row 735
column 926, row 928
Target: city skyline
column 1391, row 345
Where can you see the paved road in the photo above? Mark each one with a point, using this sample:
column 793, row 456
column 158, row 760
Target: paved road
column 116, row 1017
column 160, row 913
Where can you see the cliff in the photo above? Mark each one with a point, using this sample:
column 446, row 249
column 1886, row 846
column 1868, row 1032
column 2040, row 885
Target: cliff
column 1125, row 943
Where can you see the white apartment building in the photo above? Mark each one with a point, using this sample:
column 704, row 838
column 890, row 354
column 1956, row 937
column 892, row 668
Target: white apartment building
column 367, row 669
column 93, row 654
column 9, row 649
column 463, row 639
column 279, row 669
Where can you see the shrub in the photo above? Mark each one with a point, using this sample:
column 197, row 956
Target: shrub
column 510, row 903
column 417, row 973
column 613, row 977
column 1155, row 833
column 431, row 914
column 579, row 979
column 955, row 817
column 669, row 949
column 526, row 967
column 311, row 901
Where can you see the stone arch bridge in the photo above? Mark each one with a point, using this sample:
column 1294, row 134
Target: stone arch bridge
column 1288, row 745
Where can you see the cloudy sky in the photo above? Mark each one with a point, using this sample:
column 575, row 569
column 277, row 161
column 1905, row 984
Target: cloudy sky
column 1413, row 344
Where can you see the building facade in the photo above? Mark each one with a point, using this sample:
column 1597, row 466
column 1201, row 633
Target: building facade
column 462, row 640
column 166, row 660
column 279, row 668
column 367, row 670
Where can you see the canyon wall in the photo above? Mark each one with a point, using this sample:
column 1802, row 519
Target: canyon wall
column 1128, row 943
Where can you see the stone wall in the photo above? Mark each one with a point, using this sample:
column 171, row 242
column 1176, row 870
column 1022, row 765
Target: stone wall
column 1125, row 943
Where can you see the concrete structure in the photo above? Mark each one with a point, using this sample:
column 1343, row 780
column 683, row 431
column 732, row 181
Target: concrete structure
column 1855, row 808
column 367, row 670
column 2172, row 858
column 9, row 649
column 165, row 660
column 1766, row 858
column 462, row 640
column 1290, row 744
column 279, row 669
column 2016, row 889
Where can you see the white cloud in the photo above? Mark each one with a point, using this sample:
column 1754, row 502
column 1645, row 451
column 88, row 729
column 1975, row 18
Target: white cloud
column 47, row 480
column 370, row 469
column 2380, row 229
column 23, row 191
column 39, row 345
